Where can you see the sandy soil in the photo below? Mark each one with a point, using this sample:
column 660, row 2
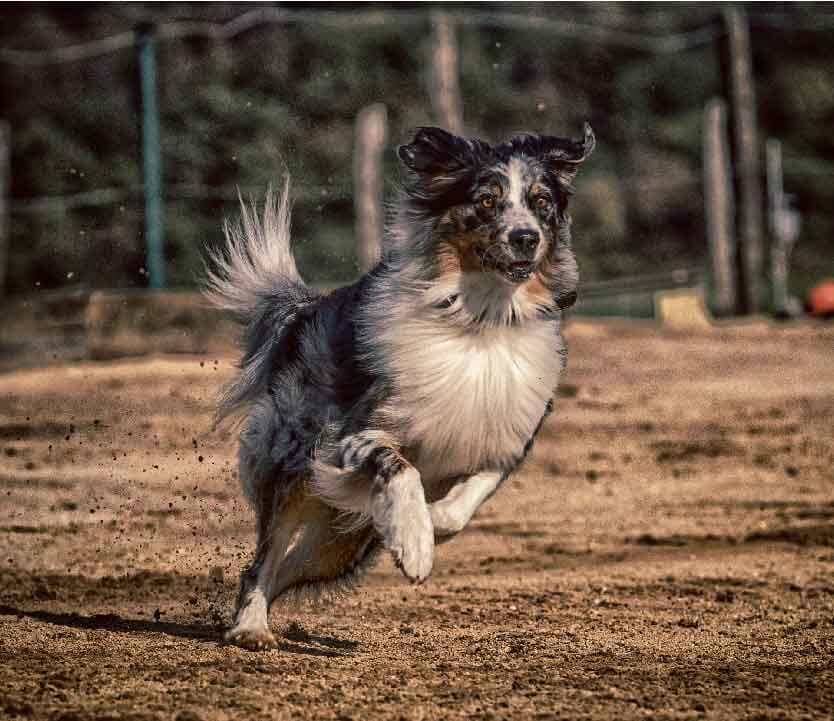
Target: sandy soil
column 668, row 552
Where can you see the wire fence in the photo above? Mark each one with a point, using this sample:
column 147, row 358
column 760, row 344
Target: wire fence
column 226, row 31
column 345, row 21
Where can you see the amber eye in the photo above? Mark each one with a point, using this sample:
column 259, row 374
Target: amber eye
column 542, row 202
column 487, row 201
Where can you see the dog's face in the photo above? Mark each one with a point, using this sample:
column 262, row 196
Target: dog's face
column 498, row 209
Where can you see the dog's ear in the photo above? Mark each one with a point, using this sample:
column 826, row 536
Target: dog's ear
column 434, row 151
column 438, row 160
column 563, row 156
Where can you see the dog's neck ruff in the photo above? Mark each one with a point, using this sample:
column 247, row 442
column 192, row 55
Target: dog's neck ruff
column 472, row 366
column 477, row 301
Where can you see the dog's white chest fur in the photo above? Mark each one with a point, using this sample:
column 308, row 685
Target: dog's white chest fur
column 471, row 400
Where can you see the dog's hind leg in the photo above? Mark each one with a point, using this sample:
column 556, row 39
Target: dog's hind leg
column 325, row 556
column 278, row 518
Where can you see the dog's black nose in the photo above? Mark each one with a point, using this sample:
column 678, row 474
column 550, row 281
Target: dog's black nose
column 524, row 241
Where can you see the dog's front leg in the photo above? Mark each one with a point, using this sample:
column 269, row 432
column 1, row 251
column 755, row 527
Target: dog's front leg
column 397, row 501
column 400, row 514
column 451, row 514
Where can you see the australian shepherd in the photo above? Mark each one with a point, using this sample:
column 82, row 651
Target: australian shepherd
column 382, row 415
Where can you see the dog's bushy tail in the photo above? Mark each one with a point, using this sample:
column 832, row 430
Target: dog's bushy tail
column 254, row 277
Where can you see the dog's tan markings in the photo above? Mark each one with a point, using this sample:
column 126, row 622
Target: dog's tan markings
column 447, row 222
column 448, row 260
column 457, row 245
column 456, row 254
column 537, row 290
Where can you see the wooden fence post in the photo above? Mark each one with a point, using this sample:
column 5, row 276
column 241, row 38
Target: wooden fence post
column 746, row 155
column 445, row 88
column 719, row 206
column 784, row 222
column 371, row 133
column 5, row 189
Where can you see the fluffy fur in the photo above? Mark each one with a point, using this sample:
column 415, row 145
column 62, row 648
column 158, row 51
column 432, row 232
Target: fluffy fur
column 385, row 413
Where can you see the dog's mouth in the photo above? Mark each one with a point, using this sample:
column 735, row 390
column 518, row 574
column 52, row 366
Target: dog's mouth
column 494, row 259
column 518, row 271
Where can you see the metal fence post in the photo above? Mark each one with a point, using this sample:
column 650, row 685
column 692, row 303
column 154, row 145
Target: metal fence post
column 151, row 157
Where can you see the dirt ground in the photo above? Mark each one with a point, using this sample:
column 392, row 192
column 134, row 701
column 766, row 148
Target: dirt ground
column 667, row 552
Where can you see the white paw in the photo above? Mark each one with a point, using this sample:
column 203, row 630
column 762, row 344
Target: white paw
column 253, row 639
column 445, row 519
column 251, row 628
column 412, row 546
column 402, row 517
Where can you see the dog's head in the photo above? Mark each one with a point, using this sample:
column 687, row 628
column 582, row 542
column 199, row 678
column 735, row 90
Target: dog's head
column 500, row 210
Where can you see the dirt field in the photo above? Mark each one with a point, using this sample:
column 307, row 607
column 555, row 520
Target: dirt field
column 668, row 552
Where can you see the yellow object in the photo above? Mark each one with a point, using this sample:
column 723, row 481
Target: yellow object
column 682, row 309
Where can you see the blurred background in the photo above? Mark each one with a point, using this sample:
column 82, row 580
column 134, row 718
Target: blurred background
column 244, row 93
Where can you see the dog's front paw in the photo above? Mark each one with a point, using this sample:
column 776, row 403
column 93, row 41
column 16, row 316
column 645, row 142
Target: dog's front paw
column 403, row 519
column 412, row 546
column 446, row 519
column 252, row 639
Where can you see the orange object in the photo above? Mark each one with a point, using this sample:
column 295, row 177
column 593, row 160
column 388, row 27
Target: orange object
column 821, row 298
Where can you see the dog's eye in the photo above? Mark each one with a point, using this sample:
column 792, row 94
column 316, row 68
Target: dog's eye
column 542, row 202
column 487, row 201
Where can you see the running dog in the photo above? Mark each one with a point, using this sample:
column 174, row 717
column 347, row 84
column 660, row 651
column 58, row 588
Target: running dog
column 382, row 415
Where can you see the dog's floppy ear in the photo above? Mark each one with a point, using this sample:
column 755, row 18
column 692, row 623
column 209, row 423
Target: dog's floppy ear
column 438, row 160
column 434, row 151
column 563, row 156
